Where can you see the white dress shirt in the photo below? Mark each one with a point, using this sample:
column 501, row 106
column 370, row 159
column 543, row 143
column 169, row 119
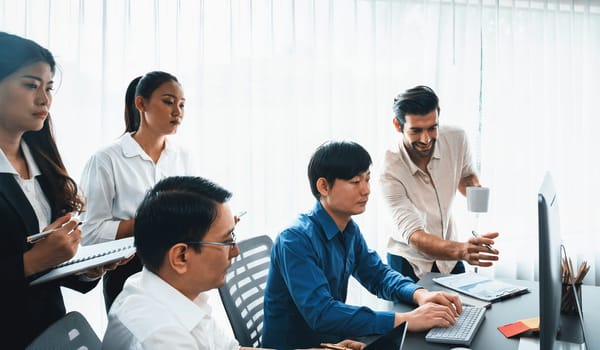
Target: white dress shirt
column 417, row 203
column 115, row 180
column 31, row 187
column 150, row 314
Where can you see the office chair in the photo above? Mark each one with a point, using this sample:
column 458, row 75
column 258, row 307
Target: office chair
column 72, row 332
column 242, row 293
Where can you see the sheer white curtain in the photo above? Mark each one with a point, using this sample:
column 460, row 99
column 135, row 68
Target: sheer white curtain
column 269, row 80
column 540, row 76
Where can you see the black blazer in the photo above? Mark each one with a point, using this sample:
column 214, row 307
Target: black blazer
column 26, row 310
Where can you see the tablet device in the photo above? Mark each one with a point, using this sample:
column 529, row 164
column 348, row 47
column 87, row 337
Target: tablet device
column 392, row 340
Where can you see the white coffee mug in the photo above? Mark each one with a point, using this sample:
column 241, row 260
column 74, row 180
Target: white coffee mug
column 477, row 199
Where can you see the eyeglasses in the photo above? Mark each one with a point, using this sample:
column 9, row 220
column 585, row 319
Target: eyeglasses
column 231, row 243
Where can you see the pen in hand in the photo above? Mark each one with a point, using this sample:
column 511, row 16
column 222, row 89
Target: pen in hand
column 476, row 235
column 39, row 236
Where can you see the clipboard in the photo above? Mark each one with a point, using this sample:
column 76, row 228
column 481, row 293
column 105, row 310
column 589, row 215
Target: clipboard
column 480, row 287
column 87, row 257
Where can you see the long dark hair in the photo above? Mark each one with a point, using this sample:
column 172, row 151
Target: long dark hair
column 142, row 86
column 16, row 53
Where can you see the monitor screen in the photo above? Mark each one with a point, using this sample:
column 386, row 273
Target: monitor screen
column 549, row 263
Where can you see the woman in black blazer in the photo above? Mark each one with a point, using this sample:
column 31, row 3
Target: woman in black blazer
column 35, row 193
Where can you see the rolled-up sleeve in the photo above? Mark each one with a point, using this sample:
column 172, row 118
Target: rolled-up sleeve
column 405, row 215
column 468, row 168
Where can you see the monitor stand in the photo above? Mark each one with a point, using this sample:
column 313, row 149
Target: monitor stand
column 526, row 343
column 563, row 345
column 569, row 337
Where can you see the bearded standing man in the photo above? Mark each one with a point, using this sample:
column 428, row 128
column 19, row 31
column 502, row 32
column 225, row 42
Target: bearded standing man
column 421, row 176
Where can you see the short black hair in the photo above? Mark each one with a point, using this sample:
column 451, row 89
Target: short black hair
column 419, row 100
column 337, row 160
column 177, row 209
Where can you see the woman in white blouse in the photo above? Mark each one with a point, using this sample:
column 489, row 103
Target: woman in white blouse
column 116, row 178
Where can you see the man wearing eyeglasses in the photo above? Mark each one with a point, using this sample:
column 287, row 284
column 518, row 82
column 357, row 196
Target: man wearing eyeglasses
column 184, row 238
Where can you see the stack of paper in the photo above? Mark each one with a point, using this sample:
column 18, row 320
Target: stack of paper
column 520, row 327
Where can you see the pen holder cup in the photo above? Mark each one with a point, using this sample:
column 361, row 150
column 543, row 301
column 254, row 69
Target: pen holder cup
column 568, row 305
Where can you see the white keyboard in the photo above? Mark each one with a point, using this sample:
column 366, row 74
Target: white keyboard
column 463, row 331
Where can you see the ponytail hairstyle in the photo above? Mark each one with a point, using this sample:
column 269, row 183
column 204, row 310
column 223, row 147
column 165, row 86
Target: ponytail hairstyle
column 61, row 190
column 142, row 86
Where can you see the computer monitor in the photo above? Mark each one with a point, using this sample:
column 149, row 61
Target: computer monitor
column 549, row 263
column 571, row 334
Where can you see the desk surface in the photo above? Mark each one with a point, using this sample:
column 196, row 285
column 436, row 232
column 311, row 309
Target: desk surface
column 507, row 311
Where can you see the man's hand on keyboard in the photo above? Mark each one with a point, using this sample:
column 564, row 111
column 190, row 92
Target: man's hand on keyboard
column 451, row 300
column 427, row 316
column 462, row 332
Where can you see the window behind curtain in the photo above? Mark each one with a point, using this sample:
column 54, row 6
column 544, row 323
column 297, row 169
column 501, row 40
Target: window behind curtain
column 267, row 81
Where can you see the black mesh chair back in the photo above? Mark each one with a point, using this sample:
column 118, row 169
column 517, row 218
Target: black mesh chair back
column 72, row 332
column 243, row 291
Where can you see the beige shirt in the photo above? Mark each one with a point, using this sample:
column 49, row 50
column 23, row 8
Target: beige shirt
column 417, row 203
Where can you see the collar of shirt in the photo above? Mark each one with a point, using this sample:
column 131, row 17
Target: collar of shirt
column 328, row 225
column 6, row 166
column 189, row 313
column 132, row 149
column 413, row 167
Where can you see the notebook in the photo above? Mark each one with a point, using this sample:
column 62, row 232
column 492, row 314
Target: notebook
column 480, row 287
column 89, row 256
column 392, row 340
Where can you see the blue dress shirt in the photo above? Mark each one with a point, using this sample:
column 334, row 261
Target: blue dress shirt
column 311, row 263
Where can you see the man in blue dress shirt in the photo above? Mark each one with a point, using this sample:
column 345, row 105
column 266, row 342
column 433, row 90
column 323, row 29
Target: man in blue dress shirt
column 312, row 260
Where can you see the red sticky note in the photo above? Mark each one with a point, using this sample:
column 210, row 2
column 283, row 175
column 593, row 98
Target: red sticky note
column 513, row 329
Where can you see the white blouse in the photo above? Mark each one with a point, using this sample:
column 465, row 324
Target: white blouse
column 115, row 180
